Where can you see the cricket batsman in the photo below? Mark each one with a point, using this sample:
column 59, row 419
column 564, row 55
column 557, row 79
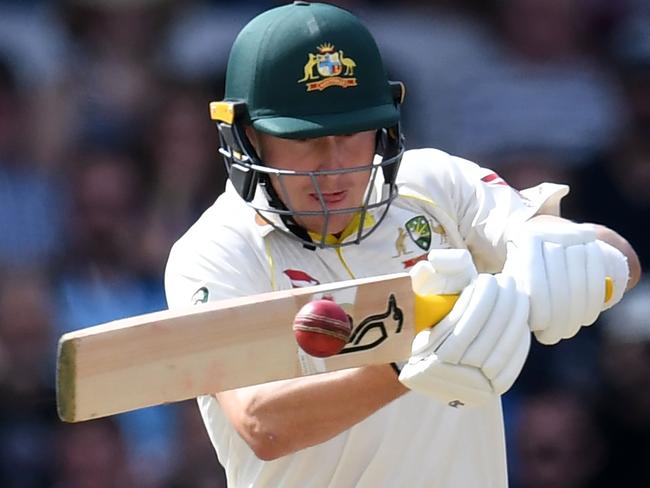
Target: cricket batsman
column 321, row 189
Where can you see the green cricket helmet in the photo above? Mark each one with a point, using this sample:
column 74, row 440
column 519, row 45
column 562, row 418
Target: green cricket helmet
column 302, row 71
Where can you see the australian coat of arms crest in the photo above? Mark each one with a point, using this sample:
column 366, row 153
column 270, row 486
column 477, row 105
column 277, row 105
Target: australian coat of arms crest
column 328, row 67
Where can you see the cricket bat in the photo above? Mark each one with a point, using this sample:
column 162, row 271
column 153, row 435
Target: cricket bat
column 176, row 355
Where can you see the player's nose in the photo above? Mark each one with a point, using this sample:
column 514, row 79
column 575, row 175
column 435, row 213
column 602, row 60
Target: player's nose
column 331, row 157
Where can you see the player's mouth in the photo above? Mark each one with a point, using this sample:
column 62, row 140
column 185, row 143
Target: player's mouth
column 331, row 198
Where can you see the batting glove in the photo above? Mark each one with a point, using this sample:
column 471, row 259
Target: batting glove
column 569, row 275
column 478, row 350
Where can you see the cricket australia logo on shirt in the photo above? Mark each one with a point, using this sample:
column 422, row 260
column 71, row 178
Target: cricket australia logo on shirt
column 328, row 67
column 419, row 231
column 423, row 233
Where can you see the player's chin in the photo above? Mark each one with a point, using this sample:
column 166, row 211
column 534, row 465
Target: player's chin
column 333, row 224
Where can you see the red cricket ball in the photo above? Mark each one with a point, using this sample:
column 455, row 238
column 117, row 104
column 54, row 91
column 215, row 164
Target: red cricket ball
column 322, row 328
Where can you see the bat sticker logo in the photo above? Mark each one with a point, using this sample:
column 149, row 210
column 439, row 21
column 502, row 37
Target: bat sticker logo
column 375, row 328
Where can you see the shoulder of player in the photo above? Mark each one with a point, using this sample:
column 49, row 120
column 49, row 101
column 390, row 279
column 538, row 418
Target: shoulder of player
column 426, row 169
column 225, row 231
column 430, row 161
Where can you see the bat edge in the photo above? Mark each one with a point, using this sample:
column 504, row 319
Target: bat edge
column 65, row 380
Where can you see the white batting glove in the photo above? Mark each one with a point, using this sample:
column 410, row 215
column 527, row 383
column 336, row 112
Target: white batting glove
column 446, row 271
column 478, row 350
column 563, row 269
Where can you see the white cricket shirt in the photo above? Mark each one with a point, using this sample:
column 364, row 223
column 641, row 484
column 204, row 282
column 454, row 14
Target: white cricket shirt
column 443, row 202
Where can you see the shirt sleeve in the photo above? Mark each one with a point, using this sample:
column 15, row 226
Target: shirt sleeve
column 487, row 207
column 202, row 270
column 477, row 201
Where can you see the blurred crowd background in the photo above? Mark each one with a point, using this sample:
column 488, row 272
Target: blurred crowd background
column 107, row 155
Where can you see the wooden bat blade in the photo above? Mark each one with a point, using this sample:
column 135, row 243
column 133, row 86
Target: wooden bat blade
column 175, row 355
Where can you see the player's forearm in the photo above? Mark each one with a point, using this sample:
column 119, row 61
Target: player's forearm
column 279, row 418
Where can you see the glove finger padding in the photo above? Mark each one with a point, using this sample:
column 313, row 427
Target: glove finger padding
column 446, row 382
column 595, row 283
column 515, row 331
column 589, row 283
column 559, row 303
column 484, row 344
column 504, row 380
column 525, row 262
column 576, row 261
column 472, row 320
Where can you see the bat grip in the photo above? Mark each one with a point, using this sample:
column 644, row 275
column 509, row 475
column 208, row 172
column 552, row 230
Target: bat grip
column 431, row 309
column 609, row 288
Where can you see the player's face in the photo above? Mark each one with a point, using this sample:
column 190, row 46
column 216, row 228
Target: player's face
column 339, row 191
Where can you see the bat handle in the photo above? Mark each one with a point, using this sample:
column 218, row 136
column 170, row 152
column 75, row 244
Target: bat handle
column 431, row 309
column 609, row 288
